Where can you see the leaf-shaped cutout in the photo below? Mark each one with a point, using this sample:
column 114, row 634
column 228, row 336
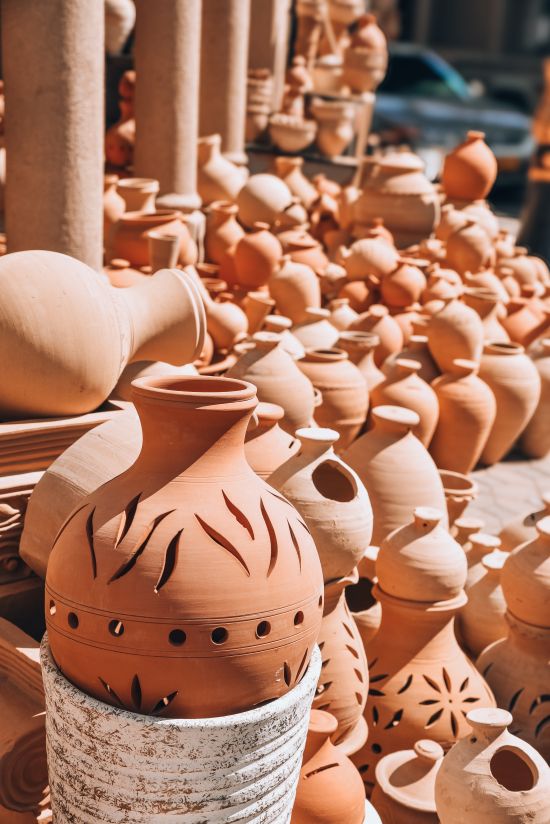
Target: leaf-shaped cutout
column 514, row 699
column 363, row 768
column 446, row 679
column 90, row 540
column 470, row 700
column 321, row 688
column 359, row 675
column 433, row 719
column 136, row 692
column 373, row 663
column 302, row 665
column 280, row 497
column 375, row 716
column 219, row 539
column 295, row 544
column 431, row 683
column 380, row 677
column 454, row 724
column 239, row 516
column 321, row 644
column 170, row 558
column 127, row 519
column 543, row 723
column 353, row 651
column 323, row 707
column 140, row 548
column 67, row 521
column 110, row 692
column 394, row 721
column 325, row 663
column 406, row 685
column 273, row 546
column 428, row 702
column 538, row 701
column 161, row 705
column 376, row 693
column 287, row 674
column 348, row 630
column 321, row 769
column 464, row 684
column 359, row 698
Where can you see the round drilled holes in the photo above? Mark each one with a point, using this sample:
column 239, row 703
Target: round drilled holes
column 376, row 748
column 177, row 637
column 263, row 629
column 219, row 635
column 116, row 628
column 298, row 618
column 52, row 608
column 72, row 620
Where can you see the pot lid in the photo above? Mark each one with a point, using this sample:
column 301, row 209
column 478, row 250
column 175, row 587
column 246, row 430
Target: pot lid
column 408, row 776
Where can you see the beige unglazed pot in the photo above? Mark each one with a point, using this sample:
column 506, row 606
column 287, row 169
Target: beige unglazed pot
column 416, row 349
column 378, row 321
column 454, row 331
column 316, row 331
column 470, row 170
column 535, row 441
column 482, row 619
column 217, row 177
column 222, row 230
column 460, row 490
column 404, row 387
column 523, row 529
column 267, row 446
column 360, row 347
column 294, row 287
column 404, row 792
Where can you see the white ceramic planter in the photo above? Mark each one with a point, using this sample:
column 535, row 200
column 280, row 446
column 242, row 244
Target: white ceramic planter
column 108, row 766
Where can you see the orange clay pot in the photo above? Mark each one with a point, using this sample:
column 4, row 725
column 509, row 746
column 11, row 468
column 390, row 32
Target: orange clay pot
column 404, row 387
column 303, row 248
column 370, row 256
column 522, row 529
column 405, row 784
column 378, row 321
column 360, row 347
column 222, row 230
column 469, row 249
column 490, row 310
column 482, row 620
column 316, row 331
column 294, row 287
column 257, row 256
column 341, row 314
column 470, row 170
column 416, row 349
column 454, row 331
column 404, row 285
column 267, row 446
column 460, row 490
column 129, row 236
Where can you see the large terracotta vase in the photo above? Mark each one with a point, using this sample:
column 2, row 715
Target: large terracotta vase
column 267, row 446
column 467, row 411
column 404, row 387
column 416, row 349
column 523, row 529
column 396, row 469
column 360, row 347
column 535, row 441
column 222, row 230
column 217, row 177
column 470, row 170
column 516, row 385
column 294, row 287
column 404, row 792
column 421, row 683
column 491, row 776
column 129, row 236
column 482, row 619
column 316, row 331
column 257, row 256
column 378, row 321
column 69, row 335
column 454, row 331
column 344, row 396
column 141, row 626
column 326, row 492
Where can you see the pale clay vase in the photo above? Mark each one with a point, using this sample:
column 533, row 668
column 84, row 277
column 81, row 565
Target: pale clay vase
column 294, row 287
column 523, row 529
column 217, row 177
column 482, row 620
column 455, row 331
column 404, row 387
column 405, row 784
column 535, row 440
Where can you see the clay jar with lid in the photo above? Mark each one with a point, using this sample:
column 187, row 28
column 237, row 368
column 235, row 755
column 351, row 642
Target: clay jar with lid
column 277, row 380
column 535, row 441
column 416, row 349
column 370, row 256
column 404, row 792
column 316, row 331
column 492, row 776
column 516, row 385
column 345, row 399
column 470, row 170
column 467, row 410
column 404, row 285
column 404, row 387
column 282, row 325
column 522, row 529
column 267, row 446
column 129, row 236
column 217, row 177
column 222, row 230
column 360, row 347
column 378, row 321
column 396, row 469
column 326, row 493
column 454, row 331
column 482, row 620
column 294, row 287
column 289, row 169
column 257, row 256
column 141, row 626
column 341, row 314
column 469, row 248
column 263, row 198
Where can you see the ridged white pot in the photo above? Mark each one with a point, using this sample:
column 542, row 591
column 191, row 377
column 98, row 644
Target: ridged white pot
column 108, row 765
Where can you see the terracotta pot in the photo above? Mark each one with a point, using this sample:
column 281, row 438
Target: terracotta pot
column 341, row 314
column 366, row 58
column 147, row 369
column 344, row 681
column 378, row 321
column 345, row 400
column 112, row 595
column 492, row 776
column 294, row 287
column 281, row 326
column 68, row 353
column 267, row 446
column 416, row 349
column 330, row 788
column 516, row 385
column 262, row 199
column 404, row 285
column 325, row 490
column 469, row 248
column 463, row 528
column 291, row 132
column 217, row 177
column 303, row 248
column 522, row 529
column 129, row 236
column 454, row 331
column 316, row 331
column 360, row 347
column 482, row 620
column 335, row 121
column 257, row 257
column 460, row 490
column 520, row 265
column 226, row 322
column 366, row 610
column 408, row 318
column 467, row 411
column 481, row 211
column 486, row 279
column 222, row 230
column 138, row 193
column 257, row 306
column 163, row 250
column 489, row 308
column 470, row 170
column 327, row 74
column 289, row 169
column 121, row 274
column 441, row 285
column 475, row 548
column 370, row 256
column 520, row 320
column 277, row 380
column 404, row 792
column 113, row 204
column 396, row 469
column 404, row 387
column 526, row 578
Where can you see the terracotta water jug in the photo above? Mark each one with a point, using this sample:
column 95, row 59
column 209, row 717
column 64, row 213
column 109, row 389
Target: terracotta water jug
column 522, row 529
column 341, row 314
column 404, row 387
column 535, row 441
column 370, row 256
column 257, row 306
column 316, row 331
column 460, row 490
column 470, row 170
column 67, row 354
column 217, row 177
column 289, row 169
column 516, row 385
column 262, row 199
column 360, row 347
column 294, row 287
column 226, row 322
column 467, row 410
column 378, row 321
column 303, row 248
column 454, row 331
column 173, row 511
column 267, row 446
column 345, row 399
column 404, row 285
column 222, row 230
column 404, row 792
column 282, row 325
column 489, row 308
column 482, row 620
column 416, row 349
column 325, row 491
column 491, row 776
column 257, row 257
column 397, row 471
column 129, row 236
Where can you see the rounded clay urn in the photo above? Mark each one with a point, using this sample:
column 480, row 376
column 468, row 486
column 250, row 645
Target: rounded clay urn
column 521, row 321
column 396, row 469
column 404, row 285
column 516, row 385
column 141, row 626
column 469, row 248
column 277, row 380
column 404, row 792
column 138, row 193
column 370, row 256
column 535, row 441
column 335, row 125
column 70, row 335
column 341, row 314
column 222, row 230
column 454, row 331
column 489, row 308
column 129, row 236
column 378, row 321
column 267, row 446
column 303, row 248
column 330, row 790
column 366, row 57
column 330, row 498
column 217, row 177
column 404, row 387
column 360, row 347
column 470, row 170
column 344, row 396
column 294, row 287
column 416, row 349
column 482, row 619
column 467, row 410
column 316, row 331
column 263, row 198
column 492, row 776
column 522, row 529
column 421, row 683
column 289, row 169
column 257, row 256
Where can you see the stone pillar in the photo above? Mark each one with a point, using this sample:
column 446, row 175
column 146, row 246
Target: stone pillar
column 224, row 63
column 268, row 45
column 53, row 64
column 167, row 62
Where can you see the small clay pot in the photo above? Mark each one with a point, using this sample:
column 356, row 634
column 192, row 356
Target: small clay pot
column 361, row 347
column 404, row 387
column 482, row 620
column 257, row 256
column 454, row 331
column 222, row 230
column 129, row 236
column 316, row 331
column 294, row 287
column 404, row 792
column 267, row 446
column 262, row 199
column 470, row 170
column 378, row 321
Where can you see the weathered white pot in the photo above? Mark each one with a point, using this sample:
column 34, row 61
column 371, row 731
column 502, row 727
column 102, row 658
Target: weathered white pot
column 108, row 765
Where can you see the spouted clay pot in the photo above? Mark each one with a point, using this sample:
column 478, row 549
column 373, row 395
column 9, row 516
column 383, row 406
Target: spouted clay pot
column 140, row 626
column 217, row 177
column 454, row 331
column 360, row 347
column 470, row 170
column 404, row 792
column 404, row 387
column 294, row 287
column 267, row 446
column 416, row 349
column 482, row 620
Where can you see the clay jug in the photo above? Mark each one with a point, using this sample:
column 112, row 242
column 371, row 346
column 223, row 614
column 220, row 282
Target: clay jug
column 481, row 620
column 325, row 490
column 226, row 322
column 329, row 789
column 303, row 248
column 404, row 792
column 378, row 321
column 68, row 353
column 129, row 236
column 516, row 385
column 520, row 320
column 257, row 256
column 344, row 680
column 257, row 306
column 341, row 314
column 277, row 380
column 282, row 325
column 263, row 198
column 454, row 331
column 416, row 349
column 360, row 347
column 470, row 170
column 370, row 256
column 396, row 469
column 172, row 511
column 469, row 249
column 404, row 387
column 289, row 169
column 316, row 331
column 463, row 528
column 217, row 177
column 491, row 776
column 294, row 287
column 267, row 446
column 345, row 399
column 222, row 230
column 460, row 490
column 535, row 441
column 113, row 204
column 489, row 308
column 138, row 193
column 404, row 285
column 475, row 548
column 467, row 410
column 522, row 529
column 366, row 58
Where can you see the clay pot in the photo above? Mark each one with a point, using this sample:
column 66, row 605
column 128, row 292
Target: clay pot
column 404, row 387
column 470, row 170
column 523, row 529
column 147, row 369
column 454, row 331
column 121, row 274
column 267, row 446
column 222, row 230
column 257, row 256
column 408, row 318
column 404, row 792
column 277, row 380
column 262, row 199
column 68, row 353
column 169, row 606
column 291, row 132
column 257, row 306
column 360, row 347
column 138, row 193
column 345, row 399
column 289, row 169
column 482, row 620
column 378, row 321
column 226, row 322
column 492, row 776
column 469, row 248
column 475, row 548
column 316, row 331
column 370, row 256
column 463, row 528
column 516, row 385
column 358, row 292
column 487, row 279
column 327, row 74
column 325, row 490
column 113, row 204
column 404, row 285
column 341, row 314
column 442, row 284
column 520, row 265
column 481, row 211
column 460, row 490
column 416, row 349
column 303, row 248
column 129, row 236
column 396, row 469
column 281, row 326
column 366, row 610
column 294, row 287
column 489, row 308
column 525, row 577
column 330, row 788
column 217, row 177
column 520, row 320
column 335, row 121
column 467, row 411
column 366, row 58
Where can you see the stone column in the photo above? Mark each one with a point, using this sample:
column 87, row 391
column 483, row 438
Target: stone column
column 167, row 62
column 53, row 63
column 268, row 46
column 224, row 63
